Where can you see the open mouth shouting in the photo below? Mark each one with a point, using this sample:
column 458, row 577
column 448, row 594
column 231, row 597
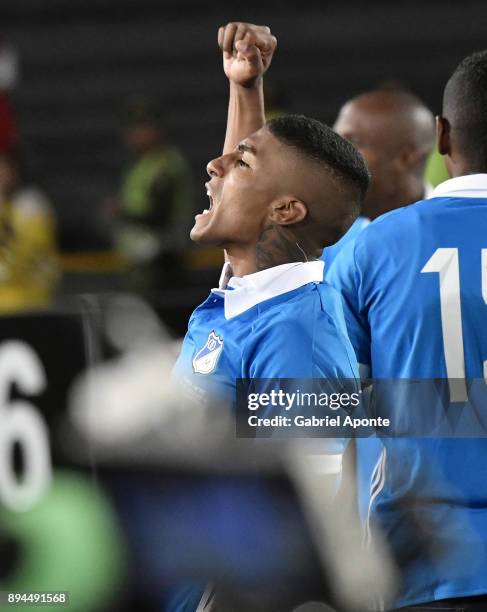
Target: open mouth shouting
column 207, row 211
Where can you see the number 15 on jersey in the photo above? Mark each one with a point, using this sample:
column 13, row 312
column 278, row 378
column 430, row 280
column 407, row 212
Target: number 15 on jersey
column 445, row 262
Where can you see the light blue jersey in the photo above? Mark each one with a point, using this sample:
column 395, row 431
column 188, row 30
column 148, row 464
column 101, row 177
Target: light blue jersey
column 414, row 284
column 284, row 322
column 367, row 449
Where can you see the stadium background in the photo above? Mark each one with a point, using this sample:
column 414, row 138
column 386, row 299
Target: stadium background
column 79, row 61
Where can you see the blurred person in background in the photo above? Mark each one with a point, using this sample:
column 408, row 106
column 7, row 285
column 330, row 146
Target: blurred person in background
column 29, row 266
column 9, row 136
column 395, row 132
column 156, row 206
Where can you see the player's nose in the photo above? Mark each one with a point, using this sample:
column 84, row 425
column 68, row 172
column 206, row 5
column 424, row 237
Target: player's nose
column 216, row 167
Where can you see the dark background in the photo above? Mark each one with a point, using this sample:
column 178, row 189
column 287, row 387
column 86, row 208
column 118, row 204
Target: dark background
column 80, row 59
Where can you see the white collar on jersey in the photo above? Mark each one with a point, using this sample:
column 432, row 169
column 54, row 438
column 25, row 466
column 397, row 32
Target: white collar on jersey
column 247, row 291
column 428, row 191
column 468, row 186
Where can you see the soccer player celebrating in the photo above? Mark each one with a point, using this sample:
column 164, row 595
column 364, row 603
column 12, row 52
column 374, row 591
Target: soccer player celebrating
column 415, row 293
column 278, row 195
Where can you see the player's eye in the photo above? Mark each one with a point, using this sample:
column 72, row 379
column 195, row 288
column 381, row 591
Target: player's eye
column 242, row 164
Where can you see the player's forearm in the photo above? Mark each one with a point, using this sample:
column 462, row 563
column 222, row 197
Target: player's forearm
column 246, row 113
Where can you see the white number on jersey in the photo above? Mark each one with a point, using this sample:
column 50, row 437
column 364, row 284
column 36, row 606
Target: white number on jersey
column 445, row 262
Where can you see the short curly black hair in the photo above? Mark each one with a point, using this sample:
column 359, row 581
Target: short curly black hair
column 317, row 141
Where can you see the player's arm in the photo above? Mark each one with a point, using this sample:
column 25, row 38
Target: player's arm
column 247, row 54
column 345, row 277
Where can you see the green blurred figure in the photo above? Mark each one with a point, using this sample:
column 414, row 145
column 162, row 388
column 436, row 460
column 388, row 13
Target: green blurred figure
column 70, row 541
column 156, row 207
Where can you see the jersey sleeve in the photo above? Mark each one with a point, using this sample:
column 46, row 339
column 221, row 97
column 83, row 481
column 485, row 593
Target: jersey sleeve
column 346, row 277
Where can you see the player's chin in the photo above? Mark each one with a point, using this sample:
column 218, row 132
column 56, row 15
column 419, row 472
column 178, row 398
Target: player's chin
column 201, row 233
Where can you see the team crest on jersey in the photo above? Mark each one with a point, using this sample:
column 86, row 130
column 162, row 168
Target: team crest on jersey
column 206, row 359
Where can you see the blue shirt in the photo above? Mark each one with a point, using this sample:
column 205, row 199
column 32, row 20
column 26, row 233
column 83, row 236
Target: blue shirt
column 367, row 449
column 284, row 322
column 414, row 284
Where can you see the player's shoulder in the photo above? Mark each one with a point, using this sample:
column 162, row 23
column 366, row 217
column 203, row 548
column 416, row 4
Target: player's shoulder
column 300, row 313
column 285, row 311
column 398, row 216
column 392, row 227
column 291, row 306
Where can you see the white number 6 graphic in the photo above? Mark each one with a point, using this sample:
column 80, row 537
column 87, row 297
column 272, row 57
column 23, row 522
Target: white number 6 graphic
column 21, row 423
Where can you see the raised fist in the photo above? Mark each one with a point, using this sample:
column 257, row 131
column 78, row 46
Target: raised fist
column 247, row 51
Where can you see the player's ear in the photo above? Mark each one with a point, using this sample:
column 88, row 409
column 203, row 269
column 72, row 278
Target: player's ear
column 288, row 210
column 443, row 135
